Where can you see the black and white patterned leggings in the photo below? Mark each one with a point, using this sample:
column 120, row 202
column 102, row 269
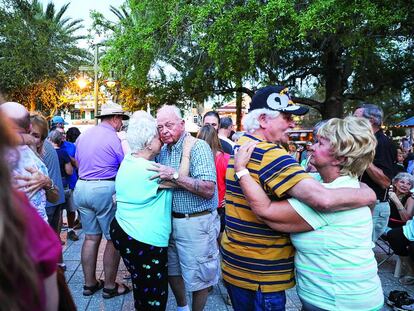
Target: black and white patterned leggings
column 148, row 267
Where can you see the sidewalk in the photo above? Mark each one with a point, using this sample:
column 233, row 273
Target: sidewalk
column 216, row 299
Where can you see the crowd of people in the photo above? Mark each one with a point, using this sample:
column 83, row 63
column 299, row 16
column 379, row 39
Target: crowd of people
column 250, row 208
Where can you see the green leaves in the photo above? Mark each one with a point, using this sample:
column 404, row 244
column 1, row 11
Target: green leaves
column 335, row 49
column 38, row 49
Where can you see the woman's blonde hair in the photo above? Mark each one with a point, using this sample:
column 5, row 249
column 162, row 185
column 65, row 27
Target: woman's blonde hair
column 353, row 140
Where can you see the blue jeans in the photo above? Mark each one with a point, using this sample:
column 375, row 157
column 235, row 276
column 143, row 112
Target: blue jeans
column 380, row 218
column 248, row 300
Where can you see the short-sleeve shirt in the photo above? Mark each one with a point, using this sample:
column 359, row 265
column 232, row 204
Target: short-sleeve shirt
column 335, row 264
column 99, row 152
column 201, row 168
column 50, row 158
column 143, row 212
column 385, row 157
column 255, row 256
column 71, row 150
column 27, row 158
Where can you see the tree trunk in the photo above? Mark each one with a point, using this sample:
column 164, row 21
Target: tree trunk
column 334, row 86
column 239, row 101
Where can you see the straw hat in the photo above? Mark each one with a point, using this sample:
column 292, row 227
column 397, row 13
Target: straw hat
column 112, row 109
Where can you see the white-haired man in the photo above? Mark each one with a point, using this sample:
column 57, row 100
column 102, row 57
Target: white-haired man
column 193, row 255
column 257, row 261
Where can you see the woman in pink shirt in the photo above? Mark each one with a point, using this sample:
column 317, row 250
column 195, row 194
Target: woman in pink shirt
column 29, row 248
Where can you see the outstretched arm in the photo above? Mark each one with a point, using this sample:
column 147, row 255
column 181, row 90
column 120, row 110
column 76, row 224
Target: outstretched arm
column 313, row 193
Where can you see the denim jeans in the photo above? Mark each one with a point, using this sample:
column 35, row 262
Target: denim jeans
column 380, row 218
column 248, row 300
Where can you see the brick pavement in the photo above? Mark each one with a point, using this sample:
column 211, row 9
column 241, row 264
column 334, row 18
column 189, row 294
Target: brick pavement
column 216, row 299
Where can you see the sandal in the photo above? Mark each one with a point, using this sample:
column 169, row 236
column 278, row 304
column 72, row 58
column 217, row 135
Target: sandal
column 108, row 293
column 90, row 290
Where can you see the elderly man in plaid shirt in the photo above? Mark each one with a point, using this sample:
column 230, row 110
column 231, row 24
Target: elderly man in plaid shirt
column 193, row 255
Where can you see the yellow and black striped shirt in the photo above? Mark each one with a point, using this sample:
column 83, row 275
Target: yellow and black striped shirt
column 255, row 256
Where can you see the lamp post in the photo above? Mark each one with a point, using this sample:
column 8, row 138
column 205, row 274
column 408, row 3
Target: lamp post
column 109, row 83
column 95, row 85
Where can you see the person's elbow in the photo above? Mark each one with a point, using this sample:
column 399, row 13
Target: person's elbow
column 208, row 190
column 322, row 203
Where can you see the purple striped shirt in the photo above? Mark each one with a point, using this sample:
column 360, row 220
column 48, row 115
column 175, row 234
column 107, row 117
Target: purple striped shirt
column 99, row 152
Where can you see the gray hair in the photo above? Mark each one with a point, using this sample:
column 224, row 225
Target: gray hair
column 174, row 108
column 251, row 120
column 406, row 176
column 56, row 137
column 142, row 129
column 373, row 113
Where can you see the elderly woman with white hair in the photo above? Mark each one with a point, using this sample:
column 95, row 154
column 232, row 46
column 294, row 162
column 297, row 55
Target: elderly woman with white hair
column 142, row 223
column 401, row 201
column 334, row 260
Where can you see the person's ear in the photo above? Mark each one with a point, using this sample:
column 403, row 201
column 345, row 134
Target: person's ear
column 262, row 121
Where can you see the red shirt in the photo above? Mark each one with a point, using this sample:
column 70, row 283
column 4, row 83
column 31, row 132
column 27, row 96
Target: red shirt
column 221, row 160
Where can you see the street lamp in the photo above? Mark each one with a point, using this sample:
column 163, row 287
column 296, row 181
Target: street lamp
column 95, row 88
column 109, row 83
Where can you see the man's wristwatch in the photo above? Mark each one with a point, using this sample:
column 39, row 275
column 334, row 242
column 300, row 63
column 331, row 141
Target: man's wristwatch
column 175, row 175
column 241, row 173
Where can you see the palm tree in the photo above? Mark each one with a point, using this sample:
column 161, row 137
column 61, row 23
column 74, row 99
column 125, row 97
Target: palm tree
column 41, row 43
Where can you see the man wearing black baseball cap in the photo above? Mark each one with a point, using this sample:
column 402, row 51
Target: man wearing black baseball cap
column 257, row 261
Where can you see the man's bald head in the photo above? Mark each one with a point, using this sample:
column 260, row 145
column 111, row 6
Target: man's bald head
column 17, row 113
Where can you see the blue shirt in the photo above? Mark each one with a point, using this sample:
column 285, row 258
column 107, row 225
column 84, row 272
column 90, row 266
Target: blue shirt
column 71, row 150
column 143, row 211
column 201, row 167
column 51, row 159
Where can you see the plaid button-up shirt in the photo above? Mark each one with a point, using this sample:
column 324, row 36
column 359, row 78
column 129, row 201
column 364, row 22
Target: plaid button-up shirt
column 201, row 167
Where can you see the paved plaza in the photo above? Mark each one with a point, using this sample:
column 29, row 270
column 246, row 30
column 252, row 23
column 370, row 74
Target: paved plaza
column 216, row 299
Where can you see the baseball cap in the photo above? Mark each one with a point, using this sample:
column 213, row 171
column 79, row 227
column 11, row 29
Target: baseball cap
column 58, row 119
column 276, row 98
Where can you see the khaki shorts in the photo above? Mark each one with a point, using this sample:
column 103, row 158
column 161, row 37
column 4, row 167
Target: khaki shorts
column 193, row 251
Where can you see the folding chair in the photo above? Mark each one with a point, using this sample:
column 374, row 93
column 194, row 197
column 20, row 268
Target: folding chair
column 386, row 248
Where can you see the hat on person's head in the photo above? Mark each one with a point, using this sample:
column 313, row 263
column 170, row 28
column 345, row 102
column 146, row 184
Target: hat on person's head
column 58, row 119
column 309, row 143
column 276, row 98
column 112, row 109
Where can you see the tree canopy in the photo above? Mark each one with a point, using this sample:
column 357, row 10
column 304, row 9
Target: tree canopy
column 38, row 52
column 331, row 53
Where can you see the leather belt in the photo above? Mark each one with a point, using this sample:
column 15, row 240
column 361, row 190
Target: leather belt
column 180, row 215
column 102, row 179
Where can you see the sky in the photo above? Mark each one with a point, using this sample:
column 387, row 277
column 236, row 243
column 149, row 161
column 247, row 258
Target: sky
column 79, row 9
